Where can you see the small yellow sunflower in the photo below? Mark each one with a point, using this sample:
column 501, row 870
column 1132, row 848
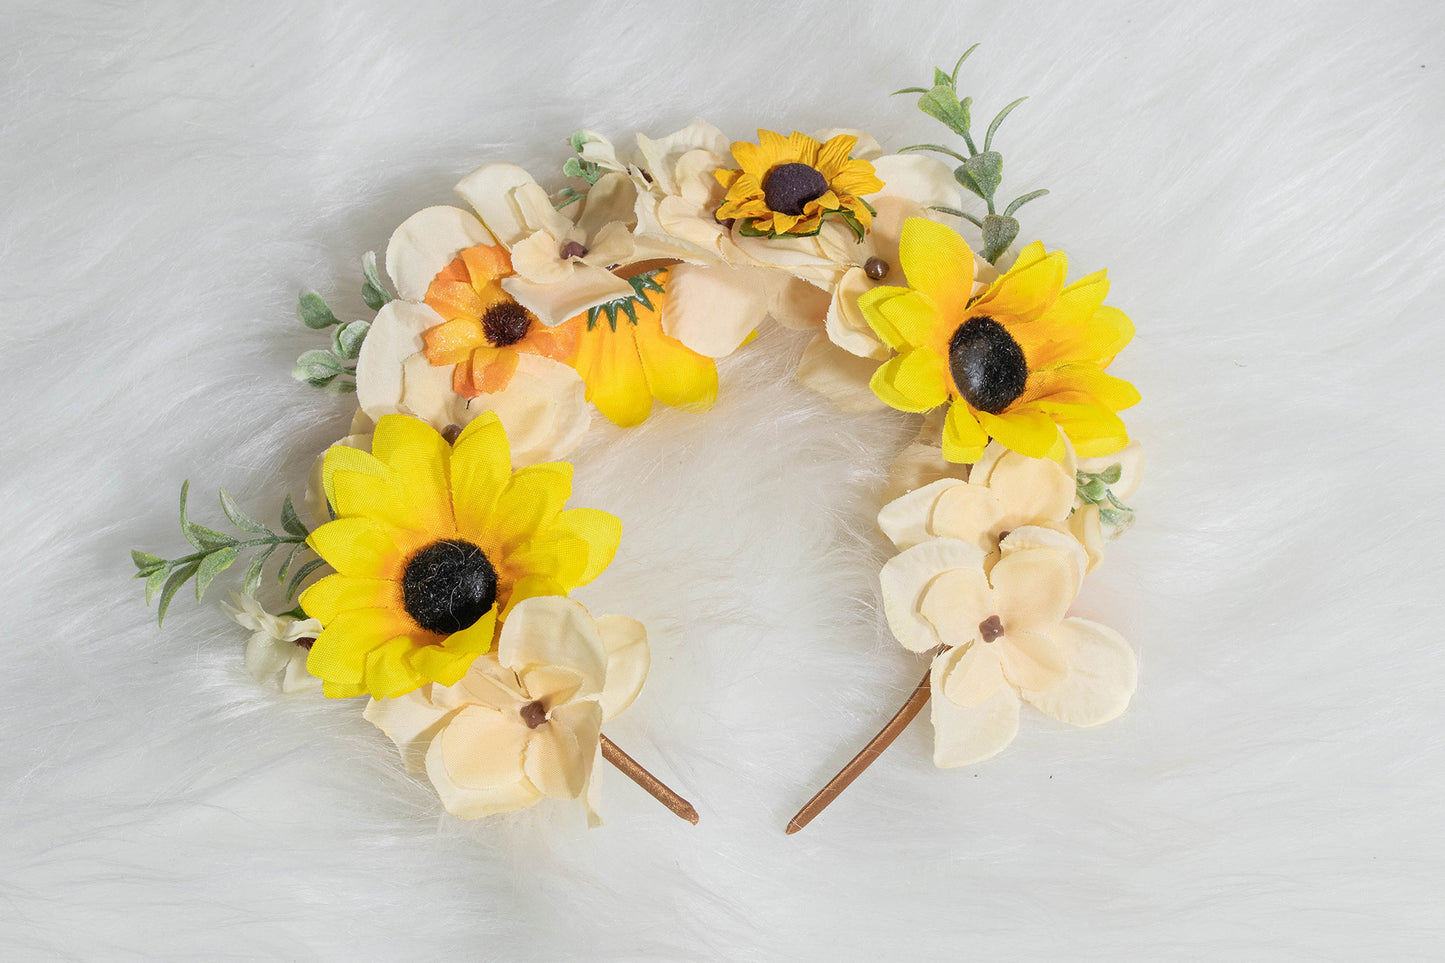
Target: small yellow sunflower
column 627, row 360
column 486, row 329
column 1018, row 363
column 433, row 545
column 786, row 185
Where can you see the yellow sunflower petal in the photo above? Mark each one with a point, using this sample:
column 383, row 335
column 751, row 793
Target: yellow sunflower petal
column 420, row 456
column 475, row 638
column 481, row 464
column 337, row 690
column 1093, row 429
column 1123, row 329
column 676, row 375
column 334, row 594
column 530, row 587
column 388, row 671
column 939, row 263
column 833, row 155
column 530, row 502
column 358, row 546
column 610, row 365
column 601, row 531
column 1113, row 393
column 963, row 437
column 911, row 382
column 903, row 318
column 339, row 653
column 1027, row 290
column 1027, row 432
column 356, row 494
column 345, row 458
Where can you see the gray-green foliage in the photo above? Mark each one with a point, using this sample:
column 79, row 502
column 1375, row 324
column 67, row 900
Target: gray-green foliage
column 979, row 171
column 579, row 167
column 1094, row 490
column 334, row 368
column 216, row 551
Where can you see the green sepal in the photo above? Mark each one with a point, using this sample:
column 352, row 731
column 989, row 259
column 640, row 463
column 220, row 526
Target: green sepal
column 239, row 518
column 314, row 312
column 627, row 304
column 999, row 231
column 373, row 292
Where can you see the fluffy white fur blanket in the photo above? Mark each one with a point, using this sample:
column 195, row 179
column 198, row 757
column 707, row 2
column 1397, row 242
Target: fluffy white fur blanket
column 1264, row 182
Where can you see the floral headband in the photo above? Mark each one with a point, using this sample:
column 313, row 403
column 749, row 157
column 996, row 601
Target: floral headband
column 433, row 575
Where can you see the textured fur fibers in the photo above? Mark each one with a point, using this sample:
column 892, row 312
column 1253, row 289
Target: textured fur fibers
column 1263, row 181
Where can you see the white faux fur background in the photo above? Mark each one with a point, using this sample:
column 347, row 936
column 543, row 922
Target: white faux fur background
column 1264, row 182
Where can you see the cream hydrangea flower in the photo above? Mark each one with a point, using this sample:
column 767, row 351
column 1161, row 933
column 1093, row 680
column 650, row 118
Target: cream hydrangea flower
column 1003, row 636
column 274, row 647
column 542, row 406
column 525, row 722
column 1004, row 491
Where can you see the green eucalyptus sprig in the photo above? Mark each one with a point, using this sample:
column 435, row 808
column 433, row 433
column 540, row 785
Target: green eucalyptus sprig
column 1093, row 489
column 334, row 368
column 981, row 172
column 216, row 551
column 579, row 167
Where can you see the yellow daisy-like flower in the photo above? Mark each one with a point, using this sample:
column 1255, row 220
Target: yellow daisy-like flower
column 627, row 360
column 785, row 186
column 1023, row 360
column 433, row 545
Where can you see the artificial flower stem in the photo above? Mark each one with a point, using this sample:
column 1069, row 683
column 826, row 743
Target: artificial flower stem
column 633, row 770
column 916, row 701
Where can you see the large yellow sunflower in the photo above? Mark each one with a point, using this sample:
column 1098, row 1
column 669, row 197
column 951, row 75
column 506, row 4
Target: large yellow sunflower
column 485, row 329
column 433, row 545
column 1018, row 363
column 785, row 186
column 627, row 360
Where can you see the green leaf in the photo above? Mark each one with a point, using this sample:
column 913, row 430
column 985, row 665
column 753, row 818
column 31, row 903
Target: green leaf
column 1093, row 490
column 253, row 573
column 999, row 232
column 573, row 167
column 286, row 563
column 993, row 126
column 1023, row 199
column 212, row 565
column 578, row 140
column 145, row 563
column 201, row 537
column 317, row 367
column 301, row 574
column 340, row 386
column 290, row 521
column 349, row 338
column 942, row 104
column 1111, row 475
column 373, row 292
column 239, row 518
column 954, row 79
column 155, row 580
column 957, row 213
column 909, row 90
column 941, row 79
column 934, row 147
column 173, row 584
column 314, row 312
column 981, row 173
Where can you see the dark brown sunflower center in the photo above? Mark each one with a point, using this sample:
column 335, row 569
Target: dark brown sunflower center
column 448, row 586
column 987, row 364
column 787, row 187
column 506, row 323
